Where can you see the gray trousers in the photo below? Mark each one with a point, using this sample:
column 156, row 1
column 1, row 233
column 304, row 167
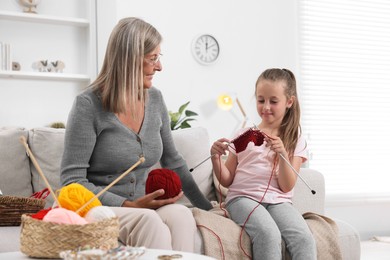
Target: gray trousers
column 169, row 227
column 269, row 224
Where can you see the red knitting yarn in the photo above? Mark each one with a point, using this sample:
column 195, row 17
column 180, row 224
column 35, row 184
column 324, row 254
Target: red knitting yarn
column 40, row 214
column 165, row 179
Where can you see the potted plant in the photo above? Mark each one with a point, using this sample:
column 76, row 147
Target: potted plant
column 181, row 118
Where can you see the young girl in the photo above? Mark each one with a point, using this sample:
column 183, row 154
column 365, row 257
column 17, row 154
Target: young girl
column 260, row 181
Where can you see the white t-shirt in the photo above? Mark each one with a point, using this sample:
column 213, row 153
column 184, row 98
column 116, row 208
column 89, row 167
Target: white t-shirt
column 254, row 171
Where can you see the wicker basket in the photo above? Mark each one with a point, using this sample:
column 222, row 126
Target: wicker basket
column 12, row 208
column 42, row 239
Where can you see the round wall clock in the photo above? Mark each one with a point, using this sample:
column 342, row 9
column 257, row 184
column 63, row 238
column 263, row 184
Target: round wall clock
column 205, row 49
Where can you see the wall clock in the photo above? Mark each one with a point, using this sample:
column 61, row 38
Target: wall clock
column 205, row 49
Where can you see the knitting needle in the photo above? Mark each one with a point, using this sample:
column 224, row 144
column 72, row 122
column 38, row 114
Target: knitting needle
column 300, row 177
column 289, row 164
column 204, row 160
column 141, row 160
column 201, row 162
column 32, row 157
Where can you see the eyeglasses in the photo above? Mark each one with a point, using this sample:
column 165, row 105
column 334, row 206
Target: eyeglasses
column 153, row 61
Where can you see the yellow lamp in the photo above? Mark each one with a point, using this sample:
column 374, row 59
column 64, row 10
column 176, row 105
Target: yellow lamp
column 225, row 102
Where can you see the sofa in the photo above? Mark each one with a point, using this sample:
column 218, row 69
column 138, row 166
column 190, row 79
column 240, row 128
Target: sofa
column 20, row 178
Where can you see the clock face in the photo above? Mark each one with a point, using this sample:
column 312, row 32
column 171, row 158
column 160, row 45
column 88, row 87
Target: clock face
column 205, row 49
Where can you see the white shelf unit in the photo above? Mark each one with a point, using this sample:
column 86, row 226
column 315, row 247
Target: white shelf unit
column 61, row 21
column 27, row 17
column 59, row 31
column 44, row 76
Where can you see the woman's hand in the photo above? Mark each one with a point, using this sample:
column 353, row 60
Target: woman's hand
column 149, row 201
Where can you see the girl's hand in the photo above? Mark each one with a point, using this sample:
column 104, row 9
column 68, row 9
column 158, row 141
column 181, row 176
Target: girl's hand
column 149, row 201
column 275, row 144
column 220, row 147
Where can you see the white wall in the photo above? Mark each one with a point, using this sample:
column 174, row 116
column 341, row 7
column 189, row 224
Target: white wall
column 253, row 36
column 369, row 215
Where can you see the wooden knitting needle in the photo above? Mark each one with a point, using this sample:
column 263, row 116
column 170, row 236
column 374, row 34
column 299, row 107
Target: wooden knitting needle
column 141, row 160
column 34, row 161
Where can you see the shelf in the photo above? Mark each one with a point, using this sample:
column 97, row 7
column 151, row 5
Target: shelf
column 44, row 76
column 28, row 17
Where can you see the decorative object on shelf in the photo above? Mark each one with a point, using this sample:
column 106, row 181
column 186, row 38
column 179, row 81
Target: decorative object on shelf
column 30, row 5
column 177, row 119
column 41, row 66
column 5, row 56
column 205, row 49
column 226, row 102
column 46, row 66
column 15, row 66
column 57, row 66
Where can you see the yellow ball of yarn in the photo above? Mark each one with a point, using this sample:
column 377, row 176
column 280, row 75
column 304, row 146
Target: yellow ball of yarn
column 74, row 196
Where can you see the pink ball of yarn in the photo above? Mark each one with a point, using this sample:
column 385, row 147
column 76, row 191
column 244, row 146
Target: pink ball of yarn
column 64, row 216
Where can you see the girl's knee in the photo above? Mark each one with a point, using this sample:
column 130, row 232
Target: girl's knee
column 267, row 235
column 305, row 240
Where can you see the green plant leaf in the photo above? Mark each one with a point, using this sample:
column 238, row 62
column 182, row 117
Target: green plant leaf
column 185, row 125
column 175, row 116
column 178, row 120
column 190, row 113
column 173, row 124
column 183, row 107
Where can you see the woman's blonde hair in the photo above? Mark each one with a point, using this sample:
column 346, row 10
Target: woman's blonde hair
column 120, row 81
column 290, row 128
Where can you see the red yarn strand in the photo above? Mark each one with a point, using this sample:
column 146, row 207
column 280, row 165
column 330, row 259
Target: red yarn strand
column 218, row 238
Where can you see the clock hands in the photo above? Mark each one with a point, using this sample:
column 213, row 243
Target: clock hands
column 208, row 47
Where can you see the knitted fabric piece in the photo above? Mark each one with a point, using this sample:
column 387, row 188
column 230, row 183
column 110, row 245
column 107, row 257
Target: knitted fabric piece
column 251, row 135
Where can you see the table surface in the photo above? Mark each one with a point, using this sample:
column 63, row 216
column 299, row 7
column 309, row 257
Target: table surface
column 149, row 254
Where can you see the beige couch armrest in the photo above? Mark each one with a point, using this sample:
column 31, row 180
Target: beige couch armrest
column 303, row 199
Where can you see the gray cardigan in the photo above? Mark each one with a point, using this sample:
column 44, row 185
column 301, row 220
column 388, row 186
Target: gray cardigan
column 99, row 148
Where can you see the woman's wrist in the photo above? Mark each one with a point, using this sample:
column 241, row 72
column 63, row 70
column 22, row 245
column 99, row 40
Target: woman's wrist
column 128, row 204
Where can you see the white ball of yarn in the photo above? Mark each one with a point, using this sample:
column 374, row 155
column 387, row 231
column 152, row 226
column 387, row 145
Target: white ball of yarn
column 99, row 213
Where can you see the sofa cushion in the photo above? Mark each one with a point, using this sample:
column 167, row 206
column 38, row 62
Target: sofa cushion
column 14, row 162
column 47, row 145
column 193, row 144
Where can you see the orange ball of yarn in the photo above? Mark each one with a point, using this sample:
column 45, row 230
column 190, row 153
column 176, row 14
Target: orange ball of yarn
column 165, row 179
column 74, row 196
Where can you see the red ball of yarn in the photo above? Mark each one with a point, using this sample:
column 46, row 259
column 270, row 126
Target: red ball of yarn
column 165, row 179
